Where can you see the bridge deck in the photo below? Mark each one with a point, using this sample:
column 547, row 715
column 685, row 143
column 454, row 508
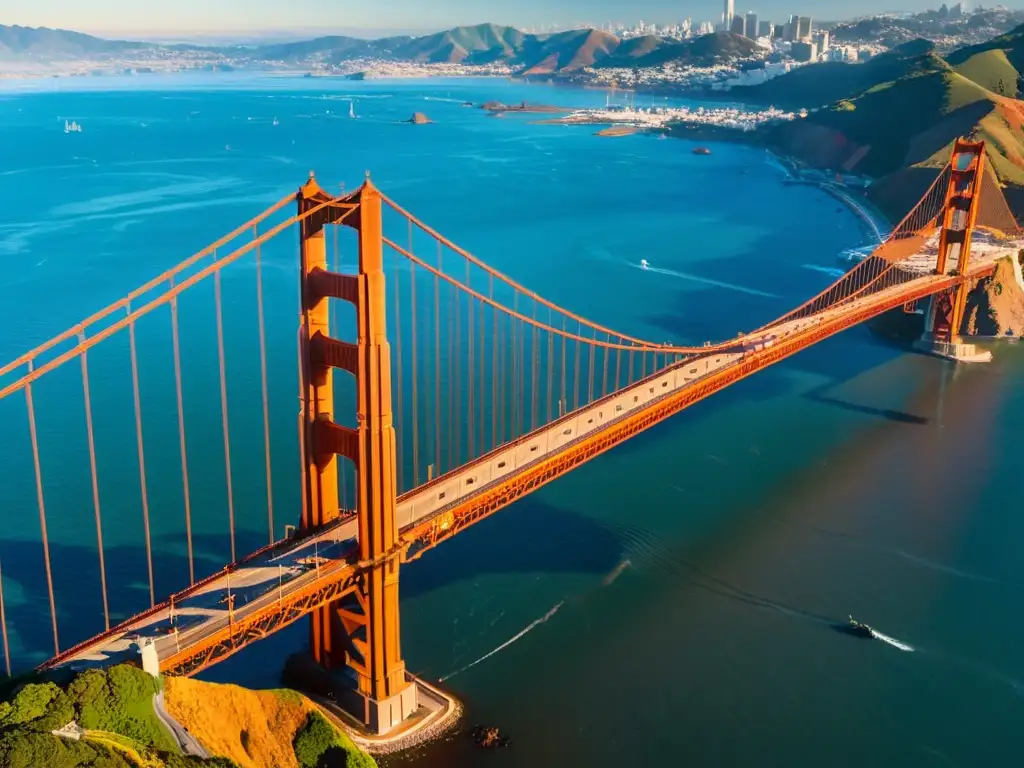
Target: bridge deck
column 296, row 567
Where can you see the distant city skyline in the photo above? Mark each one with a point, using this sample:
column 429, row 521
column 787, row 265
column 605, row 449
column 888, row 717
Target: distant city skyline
column 225, row 16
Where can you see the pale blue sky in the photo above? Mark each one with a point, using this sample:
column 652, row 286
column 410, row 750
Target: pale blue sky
column 331, row 15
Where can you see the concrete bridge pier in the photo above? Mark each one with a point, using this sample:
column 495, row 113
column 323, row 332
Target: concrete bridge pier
column 939, row 339
column 954, row 349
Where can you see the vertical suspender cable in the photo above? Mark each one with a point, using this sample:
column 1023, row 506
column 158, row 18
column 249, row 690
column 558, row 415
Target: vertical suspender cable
column 42, row 508
column 495, row 344
column 263, row 389
column 415, row 397
column 332, row 330
column 142, row 460
column 176, row 345
column 561, row 402
column 576, row 367
column 437, row 362
column 470, row 367
column 400, row 413
column 534, row 366
column 483, row 377
column 590, row 375
column 95, row 481
column 501, row 380
column 604, row 358
column 224, row 408
column 456, row 369
column 3, row 628
column 514, row 384
column 551, row 365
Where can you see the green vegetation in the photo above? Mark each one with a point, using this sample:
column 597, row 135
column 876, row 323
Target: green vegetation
column 120, row 700
column 318, row 744
column 114, row 707
column 896, row 116
column 833, row 81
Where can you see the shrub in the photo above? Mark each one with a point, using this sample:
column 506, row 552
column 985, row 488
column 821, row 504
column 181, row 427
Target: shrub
column 318, row 744
column 20, row 749
column 39, row 706
column 119, row 700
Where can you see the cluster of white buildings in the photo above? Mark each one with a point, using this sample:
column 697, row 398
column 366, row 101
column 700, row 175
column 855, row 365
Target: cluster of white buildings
column 374, row 68
column 677, row 31
column 659, row 117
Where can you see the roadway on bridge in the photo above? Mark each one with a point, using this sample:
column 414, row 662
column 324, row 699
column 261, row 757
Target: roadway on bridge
column 254, row 585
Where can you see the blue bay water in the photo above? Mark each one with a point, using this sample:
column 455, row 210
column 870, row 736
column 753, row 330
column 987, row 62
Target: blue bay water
column 696, row 570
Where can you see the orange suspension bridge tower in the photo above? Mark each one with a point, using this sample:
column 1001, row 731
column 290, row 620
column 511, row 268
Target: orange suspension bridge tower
column 359, row 631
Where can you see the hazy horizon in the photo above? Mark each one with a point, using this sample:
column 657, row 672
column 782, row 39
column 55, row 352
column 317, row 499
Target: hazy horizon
column 187, row 19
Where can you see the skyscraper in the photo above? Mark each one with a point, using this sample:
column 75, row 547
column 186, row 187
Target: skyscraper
column 751, row 25
column 727, row 15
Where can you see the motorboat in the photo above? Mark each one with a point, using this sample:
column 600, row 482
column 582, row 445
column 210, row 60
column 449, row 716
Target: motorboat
column 859, row 629
column 644, row 264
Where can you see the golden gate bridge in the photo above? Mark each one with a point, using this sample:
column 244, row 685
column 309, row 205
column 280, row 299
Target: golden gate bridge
column 470, row 391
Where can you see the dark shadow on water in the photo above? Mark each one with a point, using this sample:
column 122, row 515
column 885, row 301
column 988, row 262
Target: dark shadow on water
column 818, row 396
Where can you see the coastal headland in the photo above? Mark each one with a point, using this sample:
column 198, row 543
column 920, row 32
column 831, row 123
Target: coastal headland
column 122, row 717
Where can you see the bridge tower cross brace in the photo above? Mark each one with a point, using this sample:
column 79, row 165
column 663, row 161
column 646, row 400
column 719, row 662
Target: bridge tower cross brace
column 360, row 630
column 960, row 212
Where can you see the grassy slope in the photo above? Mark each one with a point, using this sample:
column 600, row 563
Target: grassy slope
column 908, row 107
column 253, row 728
column 817, row 84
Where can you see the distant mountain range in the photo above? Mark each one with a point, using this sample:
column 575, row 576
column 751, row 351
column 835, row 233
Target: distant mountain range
column 482, row 44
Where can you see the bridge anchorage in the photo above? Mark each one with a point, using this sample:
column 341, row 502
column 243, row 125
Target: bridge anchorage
column 470, row 392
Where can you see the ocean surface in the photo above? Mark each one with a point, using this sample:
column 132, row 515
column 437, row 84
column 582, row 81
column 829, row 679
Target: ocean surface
column 672, row 601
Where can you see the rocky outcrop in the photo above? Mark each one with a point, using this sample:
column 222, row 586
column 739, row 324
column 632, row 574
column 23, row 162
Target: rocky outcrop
column 996, row 305
column 419, row 118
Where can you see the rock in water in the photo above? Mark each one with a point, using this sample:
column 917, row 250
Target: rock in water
column 419, row 119
column 488, row 737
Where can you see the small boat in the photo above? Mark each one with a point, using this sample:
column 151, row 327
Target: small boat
column 644, row 264
column 701, row 151
column 859, row 629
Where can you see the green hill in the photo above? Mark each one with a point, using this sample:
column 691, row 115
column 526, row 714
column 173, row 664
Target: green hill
column 44, row 43
column 828, row 82
column 996, row 64
column 649, row 51
column 481, row 44
column 896, row 116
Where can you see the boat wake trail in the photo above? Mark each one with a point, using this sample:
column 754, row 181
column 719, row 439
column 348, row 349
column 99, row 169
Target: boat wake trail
column 830, row 271
column 533, row 625
column 705, row 281
column 616, row 572
column 891, row 641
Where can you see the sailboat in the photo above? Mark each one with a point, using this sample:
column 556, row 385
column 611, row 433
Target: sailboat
column 275, row 122
column 352, row 110
column 72, row 127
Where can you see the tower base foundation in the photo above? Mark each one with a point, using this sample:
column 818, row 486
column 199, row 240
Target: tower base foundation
column 954, row 350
